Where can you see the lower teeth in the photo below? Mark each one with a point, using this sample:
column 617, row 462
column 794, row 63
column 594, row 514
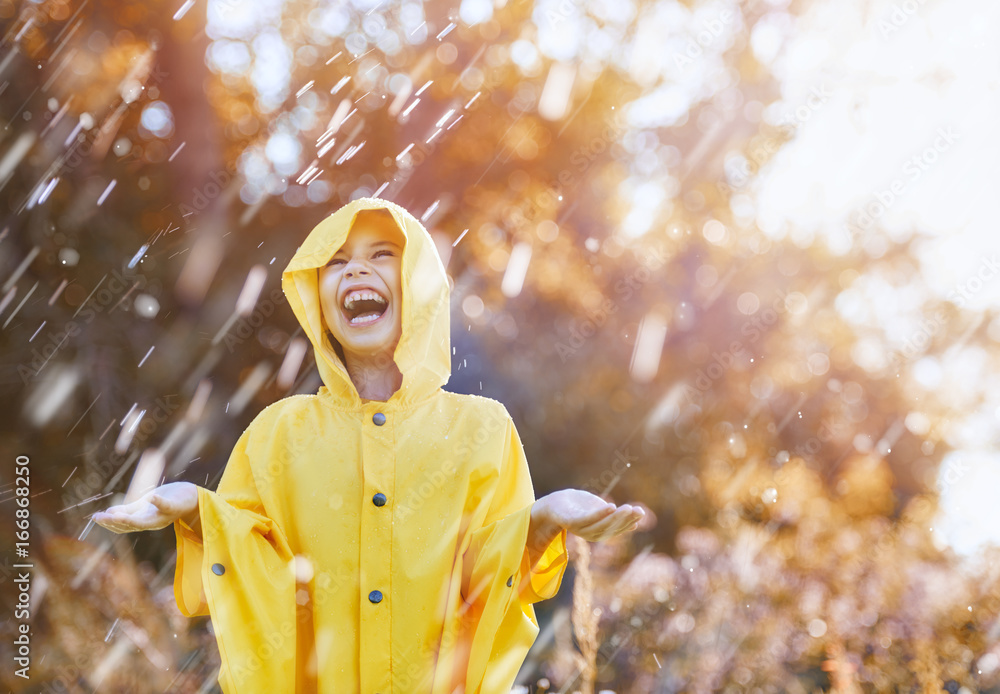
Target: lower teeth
column 367, row 318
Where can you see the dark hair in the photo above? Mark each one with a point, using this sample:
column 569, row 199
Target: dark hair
column 336, row 347
column 333, row 341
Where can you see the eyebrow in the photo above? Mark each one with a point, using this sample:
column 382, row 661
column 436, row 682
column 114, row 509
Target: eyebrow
column 377, row 244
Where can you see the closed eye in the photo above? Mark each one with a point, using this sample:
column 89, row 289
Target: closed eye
column 382, row 253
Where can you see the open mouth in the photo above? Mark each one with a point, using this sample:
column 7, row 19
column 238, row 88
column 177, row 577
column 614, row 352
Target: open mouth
column 364, row 306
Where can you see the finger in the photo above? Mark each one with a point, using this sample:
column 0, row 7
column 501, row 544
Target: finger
column 635, row 512
column 129, row 523
column 104, row 518
column 129, row 508
column 579, row 516
column 629, row 516
column 109, row 522
column 161, row 503
column 120, row 523
column 598, row 530
column 595, row 514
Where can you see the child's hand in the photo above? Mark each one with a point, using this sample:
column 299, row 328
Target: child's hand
column 586, row 514
column 156, row 509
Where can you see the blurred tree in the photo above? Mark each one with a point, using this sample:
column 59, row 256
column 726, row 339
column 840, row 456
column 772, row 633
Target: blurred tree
column 153, row 157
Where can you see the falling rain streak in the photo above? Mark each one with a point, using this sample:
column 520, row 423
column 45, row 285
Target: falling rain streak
column 604, row 131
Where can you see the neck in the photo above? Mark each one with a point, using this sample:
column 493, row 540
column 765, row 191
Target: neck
column 375, row 377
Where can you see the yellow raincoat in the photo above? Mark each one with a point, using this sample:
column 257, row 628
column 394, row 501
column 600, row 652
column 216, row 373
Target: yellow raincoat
column 371, row 547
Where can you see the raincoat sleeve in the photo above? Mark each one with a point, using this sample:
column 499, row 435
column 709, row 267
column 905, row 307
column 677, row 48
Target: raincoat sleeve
column 241, row 572
column 498, row 581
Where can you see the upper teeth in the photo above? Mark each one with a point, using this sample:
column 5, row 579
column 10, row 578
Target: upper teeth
column 361, row 296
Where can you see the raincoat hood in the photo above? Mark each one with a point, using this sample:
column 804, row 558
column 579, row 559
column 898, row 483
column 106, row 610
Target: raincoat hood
column 423, row 354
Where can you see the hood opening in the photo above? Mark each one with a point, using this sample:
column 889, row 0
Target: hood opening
column 423, row 354
column 358, row 307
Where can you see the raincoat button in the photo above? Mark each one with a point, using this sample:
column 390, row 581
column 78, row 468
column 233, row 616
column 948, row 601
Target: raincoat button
column 378, row 418
column 510, row 581
column 379, row 499
column 375, row 596
column 218, row 569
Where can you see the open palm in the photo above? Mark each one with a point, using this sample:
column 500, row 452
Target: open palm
column 155, row 509
column 590, row 516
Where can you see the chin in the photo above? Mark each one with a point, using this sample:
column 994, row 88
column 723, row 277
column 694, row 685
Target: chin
column 366, row 348
column 364, row 342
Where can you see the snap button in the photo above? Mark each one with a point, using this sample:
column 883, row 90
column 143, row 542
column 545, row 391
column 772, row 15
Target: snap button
column 379, row 499
column 510, row 580
column 218, row 569
column 378, row 418
column 375, row 596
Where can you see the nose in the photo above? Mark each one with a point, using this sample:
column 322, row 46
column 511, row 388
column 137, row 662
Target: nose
column 356, row 268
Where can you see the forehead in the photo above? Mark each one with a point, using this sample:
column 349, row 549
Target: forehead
column 374, row 226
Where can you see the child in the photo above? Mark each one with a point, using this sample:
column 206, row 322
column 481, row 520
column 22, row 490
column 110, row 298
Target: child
column 380, row 536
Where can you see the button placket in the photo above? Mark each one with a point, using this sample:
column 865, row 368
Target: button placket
column 375, row 541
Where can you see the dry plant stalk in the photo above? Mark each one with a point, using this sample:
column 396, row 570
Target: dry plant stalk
column 925, row 666
column 584, row 618
column 842, row 677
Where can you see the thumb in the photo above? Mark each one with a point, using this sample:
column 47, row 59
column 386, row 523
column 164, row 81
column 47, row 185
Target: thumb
column 160, row 503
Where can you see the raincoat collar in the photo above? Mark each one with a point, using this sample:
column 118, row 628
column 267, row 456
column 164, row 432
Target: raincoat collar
column 423, row 354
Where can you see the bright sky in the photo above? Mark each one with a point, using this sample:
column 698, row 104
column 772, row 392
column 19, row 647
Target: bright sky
column 895, row 106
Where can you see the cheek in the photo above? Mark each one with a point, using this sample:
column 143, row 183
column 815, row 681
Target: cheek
column 328, row 282
column 328, row 294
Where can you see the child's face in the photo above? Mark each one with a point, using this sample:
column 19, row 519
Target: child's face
column 360, row 289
